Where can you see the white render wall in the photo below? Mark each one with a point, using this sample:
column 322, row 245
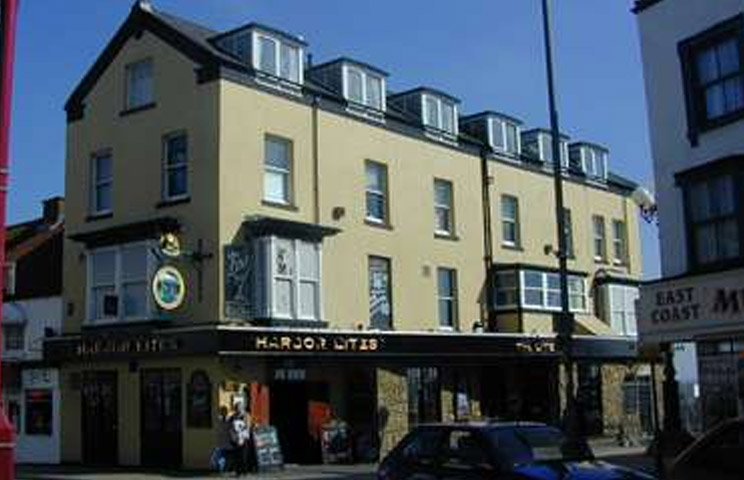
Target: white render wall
column 661, row 28
column 40, row 313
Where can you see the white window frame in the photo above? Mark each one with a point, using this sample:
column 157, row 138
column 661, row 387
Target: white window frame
column 449, row 209
column 129, row 70
column 563, row 147
column 295, row 279
column 625, row 319
column 379, row 167
column 451, row 299
column 505, row 124
column 286, row 173
column 168, row 168
column 119, row 282
column 591, row 165
column 365, row 76
column 596, row 237
column 545, row 290
column 440, row 103
column 278, row 42
column 619, row 243
column 96, row 184
column 515, row 221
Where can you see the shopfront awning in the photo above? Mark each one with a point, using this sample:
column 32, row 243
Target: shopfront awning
column 366, row 346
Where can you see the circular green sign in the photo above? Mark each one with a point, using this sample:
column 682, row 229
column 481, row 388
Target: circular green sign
column 168, row 288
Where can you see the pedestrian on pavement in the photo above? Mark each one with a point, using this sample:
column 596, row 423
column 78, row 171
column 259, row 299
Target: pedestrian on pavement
column 222, row 455
column 240, row 438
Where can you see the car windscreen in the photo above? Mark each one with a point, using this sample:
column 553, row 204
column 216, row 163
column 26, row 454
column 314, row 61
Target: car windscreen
column 522, row 445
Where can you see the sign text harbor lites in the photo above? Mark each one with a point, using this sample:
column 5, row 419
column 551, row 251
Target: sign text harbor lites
column 316, row 343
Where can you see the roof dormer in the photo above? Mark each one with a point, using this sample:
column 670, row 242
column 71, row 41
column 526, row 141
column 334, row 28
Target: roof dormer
column 436, row 110
column 360, row 84
column 537, row 145
column 501, row 132
column 590, row 159
column 275, row 56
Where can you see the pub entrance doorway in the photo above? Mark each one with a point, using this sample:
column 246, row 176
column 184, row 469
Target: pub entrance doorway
column 294, row 411
column 100, row 418
column 161, row 441
column 526, row 391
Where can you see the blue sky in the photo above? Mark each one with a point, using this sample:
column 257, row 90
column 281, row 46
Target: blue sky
column 489, row 53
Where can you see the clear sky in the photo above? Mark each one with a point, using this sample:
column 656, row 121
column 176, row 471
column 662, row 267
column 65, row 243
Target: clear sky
column 488, row 53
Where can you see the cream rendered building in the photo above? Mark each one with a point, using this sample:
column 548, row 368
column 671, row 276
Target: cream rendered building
column 332, row 241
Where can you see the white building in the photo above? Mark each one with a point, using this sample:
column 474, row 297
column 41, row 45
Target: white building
column 693, row 60
column 32, row 311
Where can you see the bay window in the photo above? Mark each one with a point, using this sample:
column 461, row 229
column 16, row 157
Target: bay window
column 619, row 307
column 295, row 272
column 118, row 282
column 539, row 290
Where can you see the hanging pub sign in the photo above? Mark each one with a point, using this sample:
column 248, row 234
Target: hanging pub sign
column 238, row 261
column 168, row 288
column 169, row 245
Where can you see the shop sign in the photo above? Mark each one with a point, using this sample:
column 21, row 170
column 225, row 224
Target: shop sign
column 537, row 345
column 168, row 288
column 39, row 378
column 316, row 343
column 679, row 310
column 109, row 346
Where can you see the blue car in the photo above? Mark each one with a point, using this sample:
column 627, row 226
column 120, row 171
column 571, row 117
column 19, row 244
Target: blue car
column 493, row 451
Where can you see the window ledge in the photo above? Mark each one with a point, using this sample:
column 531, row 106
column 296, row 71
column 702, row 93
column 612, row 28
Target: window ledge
column 446, row 236
column 170, row 202
column 140, row 108
column 99, row 216
column 516, row 248
column 382, row 225
column 284, row 206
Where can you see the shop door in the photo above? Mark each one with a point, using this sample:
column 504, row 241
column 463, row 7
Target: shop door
column 161, row 418
column 290, row 402
column 100, row 418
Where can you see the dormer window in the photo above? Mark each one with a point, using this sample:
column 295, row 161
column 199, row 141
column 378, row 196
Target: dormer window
column 440, row 114
column 595, row 162
column 504, row 136
column 538, row 145
column 278, row 58
column 364, row 88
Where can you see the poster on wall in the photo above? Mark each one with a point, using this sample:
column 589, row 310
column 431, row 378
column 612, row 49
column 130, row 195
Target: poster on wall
column 238, row 267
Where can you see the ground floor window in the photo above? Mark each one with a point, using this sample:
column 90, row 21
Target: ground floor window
column 39, row 412
column 424, row 404
column 637, row 400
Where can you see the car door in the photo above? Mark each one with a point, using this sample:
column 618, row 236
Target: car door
column 720, row 458
column 419, row 455
column 464, row 456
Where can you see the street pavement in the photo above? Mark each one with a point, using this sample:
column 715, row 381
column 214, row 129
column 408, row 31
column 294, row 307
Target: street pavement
column 633, row 457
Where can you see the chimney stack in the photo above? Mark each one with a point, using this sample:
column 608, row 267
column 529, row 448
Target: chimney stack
column 54, row 209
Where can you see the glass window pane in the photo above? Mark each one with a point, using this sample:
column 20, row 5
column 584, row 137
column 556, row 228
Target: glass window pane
column 103, row 197
column 376, row 177
column 508, row 208
column 443, row 193
column 98, row 294
column 733, row 94
column 497, row 134
column 134, row 299
column 446, row 313
column 309, row 261
column 134, row 262
column 103, row 169
column 139, row 84
column 277, row 153
column 176, row 150
column 308, row 300
column 533, row 279
column 267, row 55
column 554, row 298
column 276, row 187
column 705, row 243
column 533, row 298
column 512, row 139
column 700, row 205
column 284, row 258
column 432, row 112
column 376, row 206
column 354, row 87
column 728, row 57
column 729, row 239
column 374, row 92
column 290, row 64
column 509, row 232
column 448, row 117
column 104, row 267
column 445, row 283
column 715, row 101
column 283, row 297
column 554, row 281
column 707, row 65
column 177, row 182
column 547, row 148
column 442, row 219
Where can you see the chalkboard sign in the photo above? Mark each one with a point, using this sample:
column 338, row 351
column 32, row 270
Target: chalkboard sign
column 268, row 452
column 238, row 266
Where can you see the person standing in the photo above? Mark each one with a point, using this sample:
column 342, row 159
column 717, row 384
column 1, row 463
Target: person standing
column 240, row 438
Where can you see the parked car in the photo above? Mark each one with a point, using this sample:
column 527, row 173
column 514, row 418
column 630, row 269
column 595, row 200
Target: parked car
column 493, row 451
column 716, row 455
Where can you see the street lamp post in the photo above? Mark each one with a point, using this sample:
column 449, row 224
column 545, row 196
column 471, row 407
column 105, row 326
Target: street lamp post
column 572, row 424
column 7, row 50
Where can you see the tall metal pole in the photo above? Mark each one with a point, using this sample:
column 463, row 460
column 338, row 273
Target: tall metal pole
column 7, row 50
column 565, row 319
